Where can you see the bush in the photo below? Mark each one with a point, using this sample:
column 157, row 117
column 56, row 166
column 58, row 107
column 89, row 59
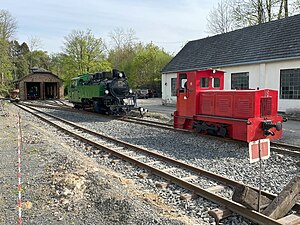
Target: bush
column 4, row 90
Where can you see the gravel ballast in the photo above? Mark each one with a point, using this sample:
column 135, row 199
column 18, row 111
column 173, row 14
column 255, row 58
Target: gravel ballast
column 227, row 159
column 61, row 185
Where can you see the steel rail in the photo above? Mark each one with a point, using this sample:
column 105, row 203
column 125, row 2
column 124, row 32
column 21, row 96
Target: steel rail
column 285, row 146
column 231, row 205
column 197, row 170
column 146, row 121
column 275, row 146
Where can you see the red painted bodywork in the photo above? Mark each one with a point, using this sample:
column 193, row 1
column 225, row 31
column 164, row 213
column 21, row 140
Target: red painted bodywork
column 240, row 111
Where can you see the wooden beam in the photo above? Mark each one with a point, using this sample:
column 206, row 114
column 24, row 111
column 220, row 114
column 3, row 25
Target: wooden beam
column 249, row 198
column 285, row 201
column 293, row 219
column 219, row 213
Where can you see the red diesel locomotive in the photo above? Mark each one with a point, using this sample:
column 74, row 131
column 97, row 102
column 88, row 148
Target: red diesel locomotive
column 204, row 106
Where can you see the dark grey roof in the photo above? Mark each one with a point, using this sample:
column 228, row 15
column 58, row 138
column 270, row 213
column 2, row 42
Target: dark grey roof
column 275, row 40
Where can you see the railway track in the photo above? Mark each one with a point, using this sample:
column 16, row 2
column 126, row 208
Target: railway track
column 190, row 177
column 275, row 146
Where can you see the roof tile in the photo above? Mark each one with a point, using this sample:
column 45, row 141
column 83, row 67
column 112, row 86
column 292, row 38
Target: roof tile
column 277, row 39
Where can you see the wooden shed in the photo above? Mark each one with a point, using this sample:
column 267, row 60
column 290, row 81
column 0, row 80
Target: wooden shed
column 40, row 85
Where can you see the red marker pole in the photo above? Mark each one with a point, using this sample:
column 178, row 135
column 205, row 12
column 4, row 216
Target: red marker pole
column 19, row 169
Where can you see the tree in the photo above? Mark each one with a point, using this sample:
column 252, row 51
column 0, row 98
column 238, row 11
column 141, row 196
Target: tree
column 233, row 14
column 8, row 25
column 19, row 56
column 252, row 12
column 146, row 66
column 84, row 52
column 219, row 19
column 40, row 59
column 5, row 65
column 34, row 43
column 124, row 47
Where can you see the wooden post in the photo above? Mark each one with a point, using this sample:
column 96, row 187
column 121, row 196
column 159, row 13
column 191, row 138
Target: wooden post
column 285, row 201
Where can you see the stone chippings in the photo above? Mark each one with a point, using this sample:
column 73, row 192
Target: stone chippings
column 227, row 159
column 60, row 185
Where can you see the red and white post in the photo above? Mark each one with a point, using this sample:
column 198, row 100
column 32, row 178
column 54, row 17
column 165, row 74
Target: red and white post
column 258, row 151
column 19, row 170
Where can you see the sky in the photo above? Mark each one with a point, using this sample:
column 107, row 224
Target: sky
column 169, row 24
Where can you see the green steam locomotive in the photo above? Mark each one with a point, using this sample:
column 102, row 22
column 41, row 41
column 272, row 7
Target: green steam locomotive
column 106, row 92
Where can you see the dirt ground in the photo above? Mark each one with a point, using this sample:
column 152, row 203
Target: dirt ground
column 61, row 185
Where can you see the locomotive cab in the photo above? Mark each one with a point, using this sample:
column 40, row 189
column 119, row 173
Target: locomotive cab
column 189, row 84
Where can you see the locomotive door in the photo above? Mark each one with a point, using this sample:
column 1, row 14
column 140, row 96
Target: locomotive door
column 185, row 105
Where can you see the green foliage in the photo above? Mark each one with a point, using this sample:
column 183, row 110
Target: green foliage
column 4, row 89
column 146, row 66
column 142, row 63
column 5, row 65
column 40, row 59
column 19, row 56
column 83, row 53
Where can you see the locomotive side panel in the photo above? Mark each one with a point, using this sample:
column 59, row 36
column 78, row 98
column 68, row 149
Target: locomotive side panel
column 224, row 102
column 244, row 104
column 206, row 103
column 233, row 104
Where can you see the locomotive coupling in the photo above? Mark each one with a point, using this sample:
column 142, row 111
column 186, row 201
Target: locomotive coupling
column 267, row 124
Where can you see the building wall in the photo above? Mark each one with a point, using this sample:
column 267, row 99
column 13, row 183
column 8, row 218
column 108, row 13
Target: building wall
column 167, row 98
column 42, row 78
column 262, row 75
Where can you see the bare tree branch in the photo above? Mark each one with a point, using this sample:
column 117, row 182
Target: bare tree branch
column 219, row 19
column 8, row 25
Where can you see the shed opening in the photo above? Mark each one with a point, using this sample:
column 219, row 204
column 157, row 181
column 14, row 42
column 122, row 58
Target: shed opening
column 51, row 90
column 33, row 90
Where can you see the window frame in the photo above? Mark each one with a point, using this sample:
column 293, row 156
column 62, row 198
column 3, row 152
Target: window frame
column 182, row 78
column 291, row 80
column 204, row 84
column 173, row 86
column 237, row 80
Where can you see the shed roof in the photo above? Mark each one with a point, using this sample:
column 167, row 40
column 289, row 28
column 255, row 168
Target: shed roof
column 275, row 40
column 36, row 73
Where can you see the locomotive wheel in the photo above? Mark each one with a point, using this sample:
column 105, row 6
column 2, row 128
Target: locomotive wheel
column 222, row 131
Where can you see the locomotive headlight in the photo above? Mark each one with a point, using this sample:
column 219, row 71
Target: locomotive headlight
column 106, row 92
column 120, row 74
column 130, row 91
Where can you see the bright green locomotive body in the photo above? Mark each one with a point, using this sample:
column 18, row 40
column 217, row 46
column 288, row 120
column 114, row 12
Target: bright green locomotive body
column 81, row 92
column 106, row 92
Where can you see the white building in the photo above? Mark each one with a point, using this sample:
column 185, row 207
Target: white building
column 261, row 56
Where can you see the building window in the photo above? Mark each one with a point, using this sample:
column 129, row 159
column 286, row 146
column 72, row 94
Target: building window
column 290, row 84
column 173, row 86
column 240, row 80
